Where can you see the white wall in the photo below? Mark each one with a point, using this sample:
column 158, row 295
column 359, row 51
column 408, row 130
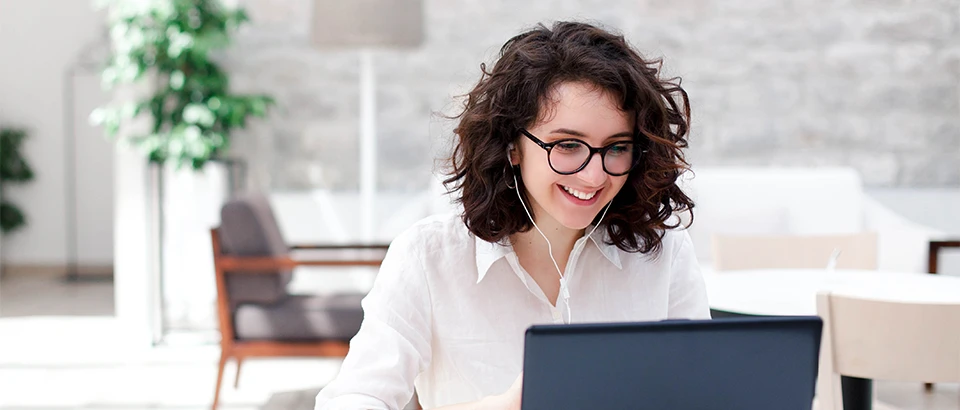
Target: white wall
column 39, row 39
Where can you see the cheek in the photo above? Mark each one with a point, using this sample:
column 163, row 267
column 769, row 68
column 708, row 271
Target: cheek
column 537, row 173
column 618, row 184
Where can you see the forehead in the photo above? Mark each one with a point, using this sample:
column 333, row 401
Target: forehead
column 583, row 107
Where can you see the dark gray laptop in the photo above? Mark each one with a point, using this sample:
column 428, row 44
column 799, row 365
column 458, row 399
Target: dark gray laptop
column 763, row 363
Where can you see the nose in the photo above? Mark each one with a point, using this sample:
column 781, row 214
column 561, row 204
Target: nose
column 593, row 174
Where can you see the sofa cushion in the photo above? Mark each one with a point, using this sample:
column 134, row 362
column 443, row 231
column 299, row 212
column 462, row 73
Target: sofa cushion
column 248, row 228
column 301, row 318
column 817, row 201
column 768, row 201
column 256, row 287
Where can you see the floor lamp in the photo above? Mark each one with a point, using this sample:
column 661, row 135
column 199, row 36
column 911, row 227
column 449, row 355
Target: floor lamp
column 367, row 25
column 89, row 60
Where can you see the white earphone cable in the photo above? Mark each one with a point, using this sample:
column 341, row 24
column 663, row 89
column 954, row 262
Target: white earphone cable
column 564, row 291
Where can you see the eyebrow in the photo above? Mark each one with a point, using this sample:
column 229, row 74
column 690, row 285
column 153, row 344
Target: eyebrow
column 576, row 133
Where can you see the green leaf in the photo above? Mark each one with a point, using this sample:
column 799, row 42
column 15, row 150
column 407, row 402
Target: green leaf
column 192, row 112
column 13, row 166
column 177, row 79
column 11, row 218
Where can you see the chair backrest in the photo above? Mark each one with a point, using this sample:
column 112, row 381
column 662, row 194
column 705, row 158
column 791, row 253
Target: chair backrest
column 249, row 228
column 858, row 251
column 894, row 340
column 886, row 340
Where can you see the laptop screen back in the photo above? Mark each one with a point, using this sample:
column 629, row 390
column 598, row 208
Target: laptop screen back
column 745, row 364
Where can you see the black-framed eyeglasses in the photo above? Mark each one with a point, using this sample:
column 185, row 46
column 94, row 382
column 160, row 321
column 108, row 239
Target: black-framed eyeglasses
column 570, row 155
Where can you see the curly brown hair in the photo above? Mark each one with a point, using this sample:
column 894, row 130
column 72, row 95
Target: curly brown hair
column 511, row 96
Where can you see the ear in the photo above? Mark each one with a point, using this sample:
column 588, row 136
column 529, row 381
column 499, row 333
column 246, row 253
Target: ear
column 513, row 154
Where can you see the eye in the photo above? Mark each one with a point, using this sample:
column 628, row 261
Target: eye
column 621, row 148
column 569, row 146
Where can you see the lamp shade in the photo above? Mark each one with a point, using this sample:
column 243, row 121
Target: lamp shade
column 367, row 23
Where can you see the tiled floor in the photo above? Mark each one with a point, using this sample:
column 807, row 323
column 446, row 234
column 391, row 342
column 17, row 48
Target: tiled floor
column 59, row 350
column 81, row 363
column 52, row 295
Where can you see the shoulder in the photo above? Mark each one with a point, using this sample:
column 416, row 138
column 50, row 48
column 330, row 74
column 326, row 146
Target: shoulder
column 676, row 241
column 424, row 249
column 440, row 247
column 674, row 244
column 430, row 233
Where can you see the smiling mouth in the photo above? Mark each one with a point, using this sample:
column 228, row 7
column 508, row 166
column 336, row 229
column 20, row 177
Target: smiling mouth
column 581, row 195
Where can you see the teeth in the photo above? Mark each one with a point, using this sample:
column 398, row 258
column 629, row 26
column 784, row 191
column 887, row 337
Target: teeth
column 582, row 195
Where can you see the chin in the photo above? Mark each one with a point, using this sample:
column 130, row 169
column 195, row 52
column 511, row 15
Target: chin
column 577, row 223
column 580, row 218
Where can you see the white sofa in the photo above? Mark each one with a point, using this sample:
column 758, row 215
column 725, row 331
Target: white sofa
column 800, row 201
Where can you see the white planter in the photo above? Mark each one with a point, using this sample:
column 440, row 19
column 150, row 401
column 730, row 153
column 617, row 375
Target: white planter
column 191, row 207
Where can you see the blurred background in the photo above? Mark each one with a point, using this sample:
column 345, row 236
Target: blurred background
column 108, row 297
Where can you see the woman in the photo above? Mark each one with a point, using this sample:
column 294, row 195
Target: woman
column 566, row 164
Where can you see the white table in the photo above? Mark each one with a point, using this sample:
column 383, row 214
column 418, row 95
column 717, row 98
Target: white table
column 793, row 292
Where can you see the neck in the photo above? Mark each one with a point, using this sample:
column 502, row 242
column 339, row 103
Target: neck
column 530, row 244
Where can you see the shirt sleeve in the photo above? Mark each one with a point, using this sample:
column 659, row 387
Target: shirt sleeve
column 688, row 292
column 393, row 344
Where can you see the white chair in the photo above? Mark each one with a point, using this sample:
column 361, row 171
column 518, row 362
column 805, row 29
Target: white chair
column 885, row 340
column 738, row 252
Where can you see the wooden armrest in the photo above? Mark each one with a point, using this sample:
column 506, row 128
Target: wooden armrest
column 255, row 264
column 316, row 255
column 945, row 244
column 934, row 256
column 258, row 264
column 337, row 246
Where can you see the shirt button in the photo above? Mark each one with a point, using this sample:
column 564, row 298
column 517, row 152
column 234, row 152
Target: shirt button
column 556, row 316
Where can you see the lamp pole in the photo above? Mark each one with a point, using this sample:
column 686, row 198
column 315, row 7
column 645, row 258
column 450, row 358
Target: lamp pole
column 367, row 25
column 368, row 144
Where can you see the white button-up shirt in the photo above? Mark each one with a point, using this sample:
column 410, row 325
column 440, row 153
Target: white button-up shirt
column 448, row 312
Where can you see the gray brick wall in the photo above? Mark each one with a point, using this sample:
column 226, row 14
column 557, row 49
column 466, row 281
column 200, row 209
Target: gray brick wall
column 867, row 83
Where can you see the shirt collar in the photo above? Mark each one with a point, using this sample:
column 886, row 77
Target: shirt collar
column 601, row 238
column 488, row 253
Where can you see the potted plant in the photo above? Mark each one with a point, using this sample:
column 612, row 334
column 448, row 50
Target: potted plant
column 13, row 168
column 191, row 110
column 168, row 48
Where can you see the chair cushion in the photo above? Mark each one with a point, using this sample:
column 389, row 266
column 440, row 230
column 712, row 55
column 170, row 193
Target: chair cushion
column 256, row 287
column 249, row 228
column 301, row 318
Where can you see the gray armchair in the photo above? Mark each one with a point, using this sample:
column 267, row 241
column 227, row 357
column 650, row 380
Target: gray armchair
column 258, row 317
